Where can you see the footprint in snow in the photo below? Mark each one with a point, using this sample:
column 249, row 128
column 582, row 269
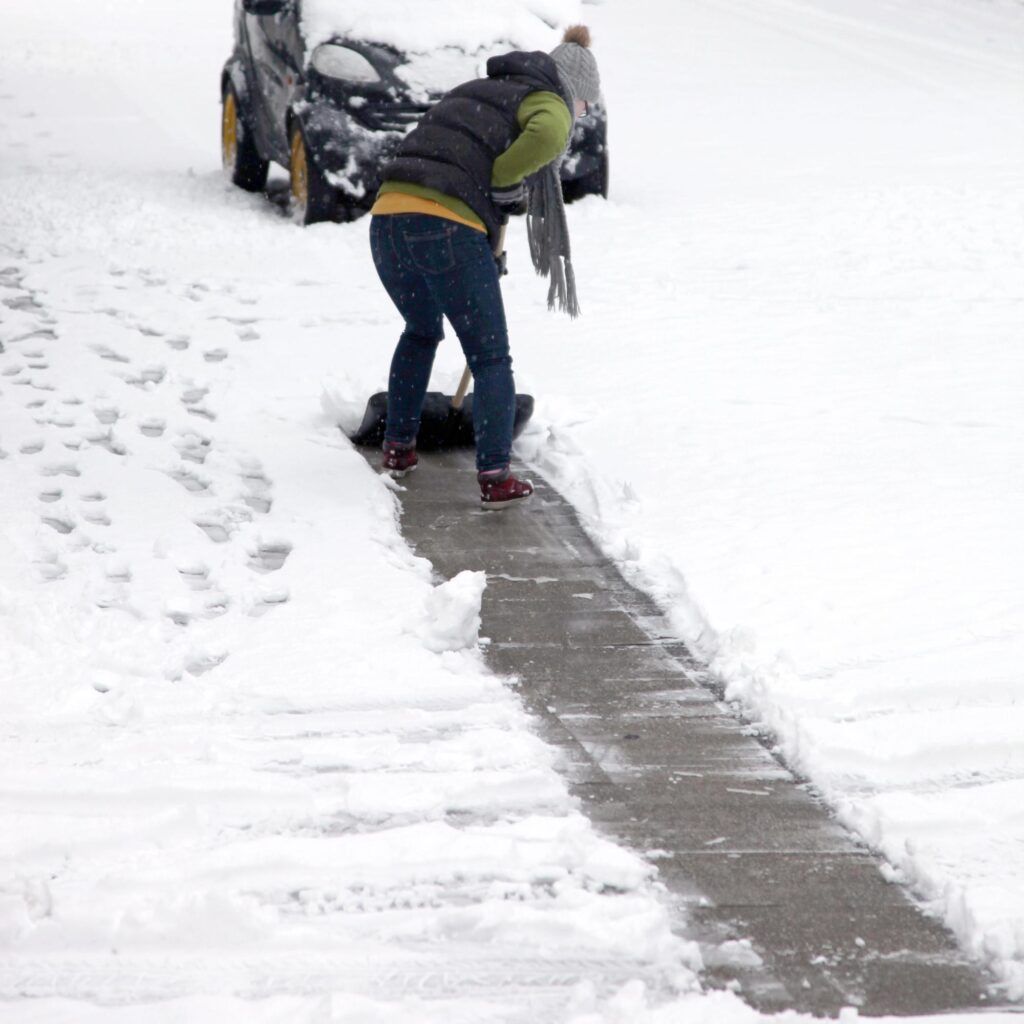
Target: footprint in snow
column 107, row 414
column 196, row 575
column 32, row 447
column 97, row 516
column 248, row 334
column 215, row 606
column 60, row 469
column 23, row 303
column 107, row 353
column 113, row 591
column 200, row 664
column 151, row 279
column 221, row 524
column 50, row 567
column 190, row 481
column 215, row 355
column 93, row 496
column 259, row 487
column 217, row 532
column 269, row 556
column 38, row 334
column 268, row 600
column 111, row 595
column 179, row 616
column 118, row 572
column 193, row 447
column 105, row 439
column 148, row 378
column 191, row 397
column 51, row 495
column 179, row 343
column 153, row 427
column 62, row 524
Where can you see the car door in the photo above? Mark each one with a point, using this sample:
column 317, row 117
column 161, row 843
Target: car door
column 277, row 53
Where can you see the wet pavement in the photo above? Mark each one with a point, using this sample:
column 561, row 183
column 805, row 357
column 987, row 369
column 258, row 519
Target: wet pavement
column 788, row 907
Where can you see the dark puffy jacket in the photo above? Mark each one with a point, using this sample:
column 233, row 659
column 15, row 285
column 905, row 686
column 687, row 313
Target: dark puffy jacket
column 454, row 146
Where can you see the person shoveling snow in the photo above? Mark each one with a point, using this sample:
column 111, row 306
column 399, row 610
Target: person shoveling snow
column 437, row 229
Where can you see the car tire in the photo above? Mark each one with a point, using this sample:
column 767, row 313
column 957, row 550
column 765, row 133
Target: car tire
column 241, row 159
column 314, row 199
column 593, row 184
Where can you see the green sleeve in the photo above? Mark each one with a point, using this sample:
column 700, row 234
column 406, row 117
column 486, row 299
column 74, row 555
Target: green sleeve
column 544, row 122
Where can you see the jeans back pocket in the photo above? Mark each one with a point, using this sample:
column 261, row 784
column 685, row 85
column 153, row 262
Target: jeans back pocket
column 432, row 252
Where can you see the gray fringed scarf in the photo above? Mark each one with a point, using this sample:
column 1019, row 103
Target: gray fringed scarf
column 548, row 234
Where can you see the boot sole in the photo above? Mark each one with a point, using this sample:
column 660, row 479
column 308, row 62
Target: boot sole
column 500, row 506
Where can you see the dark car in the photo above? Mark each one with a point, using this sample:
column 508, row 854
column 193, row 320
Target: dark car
column 334, row 114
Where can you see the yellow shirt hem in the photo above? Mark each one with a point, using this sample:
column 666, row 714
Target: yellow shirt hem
column 400, row 202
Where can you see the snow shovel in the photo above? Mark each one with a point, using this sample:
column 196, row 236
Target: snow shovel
column 445, row 422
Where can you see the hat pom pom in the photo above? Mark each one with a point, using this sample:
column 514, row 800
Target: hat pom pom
column 578, row 34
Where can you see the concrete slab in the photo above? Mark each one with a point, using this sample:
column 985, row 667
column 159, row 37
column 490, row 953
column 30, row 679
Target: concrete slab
column 744, row 848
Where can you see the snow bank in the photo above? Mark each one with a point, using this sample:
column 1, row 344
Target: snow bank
column 451, row 614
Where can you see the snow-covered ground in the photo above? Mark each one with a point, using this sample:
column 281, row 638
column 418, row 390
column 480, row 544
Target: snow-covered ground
column 249, row 747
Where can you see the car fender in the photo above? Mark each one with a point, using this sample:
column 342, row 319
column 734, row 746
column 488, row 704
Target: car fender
column 349, row 155
column 235, row 76
column 234, row 73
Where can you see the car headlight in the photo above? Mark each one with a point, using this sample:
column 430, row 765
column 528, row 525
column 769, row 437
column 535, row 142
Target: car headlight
column 334, row 61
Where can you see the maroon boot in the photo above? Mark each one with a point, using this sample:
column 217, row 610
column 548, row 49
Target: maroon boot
column 499, row 489
column 399, row 459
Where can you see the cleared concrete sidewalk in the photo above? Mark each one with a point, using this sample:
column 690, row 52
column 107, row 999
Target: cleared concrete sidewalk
column 745, row 849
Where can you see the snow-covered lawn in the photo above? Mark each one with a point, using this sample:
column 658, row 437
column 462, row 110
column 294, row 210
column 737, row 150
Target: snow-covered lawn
column 236, row 755
column 794, row 403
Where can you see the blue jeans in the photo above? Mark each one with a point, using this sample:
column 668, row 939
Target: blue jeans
column 434, row 268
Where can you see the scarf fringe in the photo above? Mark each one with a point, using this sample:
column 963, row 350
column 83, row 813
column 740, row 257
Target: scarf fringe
column 548, row 233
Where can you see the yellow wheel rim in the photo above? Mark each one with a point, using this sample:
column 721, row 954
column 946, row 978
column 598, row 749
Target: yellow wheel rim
column 229, row 132
column 300, row 171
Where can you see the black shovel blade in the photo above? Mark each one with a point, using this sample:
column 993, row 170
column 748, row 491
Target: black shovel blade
column 441, row 426
column 371, row 430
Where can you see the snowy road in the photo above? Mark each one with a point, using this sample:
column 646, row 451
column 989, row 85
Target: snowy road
column 791, row 410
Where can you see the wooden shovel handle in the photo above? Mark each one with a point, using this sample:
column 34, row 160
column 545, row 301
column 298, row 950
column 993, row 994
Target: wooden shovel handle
column 460, row 394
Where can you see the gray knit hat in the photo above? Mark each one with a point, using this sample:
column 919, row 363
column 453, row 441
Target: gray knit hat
column 576, row 64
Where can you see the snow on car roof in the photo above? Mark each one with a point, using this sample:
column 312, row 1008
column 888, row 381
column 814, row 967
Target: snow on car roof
column 446, row 41
column 425, row 26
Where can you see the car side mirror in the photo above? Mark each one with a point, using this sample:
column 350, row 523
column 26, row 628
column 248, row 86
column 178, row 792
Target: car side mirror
column 264, row 7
